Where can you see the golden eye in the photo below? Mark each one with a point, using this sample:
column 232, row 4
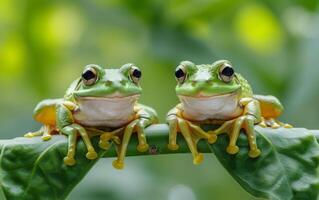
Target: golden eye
column 136, row 74
column 226, row 73
column 180, row 74
column 89, row 76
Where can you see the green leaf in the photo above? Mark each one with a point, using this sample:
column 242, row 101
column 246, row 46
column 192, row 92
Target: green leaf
column 33, row 169
column 286, row 169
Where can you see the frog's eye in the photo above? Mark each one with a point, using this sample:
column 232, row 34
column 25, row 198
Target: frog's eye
column 226, row 73
column 136, row 74
column 89, row 76
column 180, row 74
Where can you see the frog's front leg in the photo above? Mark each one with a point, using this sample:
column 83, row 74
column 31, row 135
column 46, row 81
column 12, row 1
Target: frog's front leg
column 137, row 125
column 191, row 132
column 247, row 121
column 68, row 127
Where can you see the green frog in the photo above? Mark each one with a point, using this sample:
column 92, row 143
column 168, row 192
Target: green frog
column 101, row 99
column 215, row 94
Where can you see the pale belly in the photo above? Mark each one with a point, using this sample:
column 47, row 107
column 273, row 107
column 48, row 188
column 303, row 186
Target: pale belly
column 224, row 107
column 105, row 112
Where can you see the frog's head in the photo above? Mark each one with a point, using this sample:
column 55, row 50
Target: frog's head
column 203, row 81
column 97, row 82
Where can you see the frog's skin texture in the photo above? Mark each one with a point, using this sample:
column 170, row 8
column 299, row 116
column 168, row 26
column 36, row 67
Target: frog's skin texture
column 100, row 100
column 215, row 94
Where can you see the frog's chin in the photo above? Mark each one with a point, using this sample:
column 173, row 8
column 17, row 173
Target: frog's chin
column 202, row 107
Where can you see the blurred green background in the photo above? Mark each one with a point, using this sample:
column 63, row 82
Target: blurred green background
column 44, row 45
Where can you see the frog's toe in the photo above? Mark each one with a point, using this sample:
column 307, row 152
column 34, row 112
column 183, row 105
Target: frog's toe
column 117, row 164
column 104, row 145
column 142, row 147
column 91, row 155
column 29, row 135
column 46, row 137
column 212, row 138
column 198, row 159
column 262, row 124
column 69, row 161
column 275, row 126
column 173, row 147
column 254, row 153
column 288, row 126
column 232, row 149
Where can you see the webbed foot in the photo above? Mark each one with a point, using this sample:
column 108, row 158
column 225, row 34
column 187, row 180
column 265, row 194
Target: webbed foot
column 198, row 159
column 142, row 147
column 117, row 164
column 91, row 155
column 232, row 149
column 46, row 137
column 69, row 161
column 173, row 147
column 45, row 133
column 273, row 123
column 30, row 135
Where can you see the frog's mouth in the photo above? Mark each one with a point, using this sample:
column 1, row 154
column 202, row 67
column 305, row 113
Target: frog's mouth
column 203, row 95
column 115, row 96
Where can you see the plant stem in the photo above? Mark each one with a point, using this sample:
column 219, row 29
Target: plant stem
column 157, row 138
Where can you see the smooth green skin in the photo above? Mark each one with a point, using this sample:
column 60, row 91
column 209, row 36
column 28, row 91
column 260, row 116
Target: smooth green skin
column 286, row 170
column 201, row 73
column 202, row 81
column 110, row 81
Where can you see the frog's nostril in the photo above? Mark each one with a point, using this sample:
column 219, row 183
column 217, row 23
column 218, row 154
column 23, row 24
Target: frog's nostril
column 209, row 81
column 123, row 82
column 108, row 83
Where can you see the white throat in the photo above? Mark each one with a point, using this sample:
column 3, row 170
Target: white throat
column 223, row 107
column 112, row 112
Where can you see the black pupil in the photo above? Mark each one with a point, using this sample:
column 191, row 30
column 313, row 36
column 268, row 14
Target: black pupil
column 88, row 75
column 228, row 71
column 137, row 73
column 179, row 73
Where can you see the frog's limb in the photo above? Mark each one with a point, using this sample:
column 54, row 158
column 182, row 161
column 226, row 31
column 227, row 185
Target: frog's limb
column 250, row 117
column 173, row 124
column 72, row 135
column 271, row 109
column 185, row 130
column 72, row 131
column 68, row 127
column 34, row 134
column 106, row 137
column 145, row 116
column 45, row 131
column 45, row 113
column 210, row 136
column 142, row 143
column 191, row 132
column 119, row 162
